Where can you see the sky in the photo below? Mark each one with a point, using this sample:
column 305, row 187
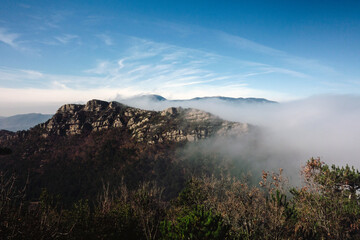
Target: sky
column 56, row 52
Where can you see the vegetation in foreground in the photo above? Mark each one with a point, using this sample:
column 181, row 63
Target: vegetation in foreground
column 325, row 207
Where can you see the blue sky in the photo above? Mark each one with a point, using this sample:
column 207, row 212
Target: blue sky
column 54, row 52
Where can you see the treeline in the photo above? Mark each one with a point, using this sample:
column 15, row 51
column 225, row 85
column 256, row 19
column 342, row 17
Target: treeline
column 75, row 166
column 325, row 207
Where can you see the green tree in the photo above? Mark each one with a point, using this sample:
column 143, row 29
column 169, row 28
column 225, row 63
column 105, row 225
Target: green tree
column 198, row 223
column 340, row 179
column 328, row 205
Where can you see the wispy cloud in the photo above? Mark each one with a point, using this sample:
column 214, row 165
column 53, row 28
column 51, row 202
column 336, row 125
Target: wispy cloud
column 149, row 67
column 103, row 67
column 276, row 54
column 66, row 38
column 8, row 38
column 25, row 78
column 289, row 72
column 170, row 70
column 310, row 64
column 219, row 37
column 247, row 44
column 243, row 47
column 121, row 63
column 51, row 20
column 11, row 74
column 54, row 19
column 106, row 39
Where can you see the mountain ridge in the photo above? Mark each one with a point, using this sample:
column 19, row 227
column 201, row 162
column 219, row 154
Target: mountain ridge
column 172, row 124
column 22, row 121
column 159, row 98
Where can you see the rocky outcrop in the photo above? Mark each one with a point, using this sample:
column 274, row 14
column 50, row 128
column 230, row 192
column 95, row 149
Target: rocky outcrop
column 172, row 124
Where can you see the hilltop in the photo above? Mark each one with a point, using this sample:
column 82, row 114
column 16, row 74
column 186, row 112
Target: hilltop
column 83, row 145
column 172, row 124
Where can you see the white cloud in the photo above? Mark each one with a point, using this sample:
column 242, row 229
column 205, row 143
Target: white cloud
column 58, row 85
column 287, row 134
column 159, row 65
column 310, row 64
column 32, row 74
column 106, row 39
column 66, row 38
column 18, row 75
column 22, row 78
column 247, row 44
column 220, row 38
column 285, row 71
column 8, row 38
column 295, row 61
column 121, row 63
column 102, row 67
column 146, row 67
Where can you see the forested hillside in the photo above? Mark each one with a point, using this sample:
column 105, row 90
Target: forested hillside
column 108, row 171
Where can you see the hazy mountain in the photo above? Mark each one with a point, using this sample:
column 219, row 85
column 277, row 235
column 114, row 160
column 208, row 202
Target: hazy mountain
column 150, row 97
column 232, row 100
column 22, row 121
column 158, row 98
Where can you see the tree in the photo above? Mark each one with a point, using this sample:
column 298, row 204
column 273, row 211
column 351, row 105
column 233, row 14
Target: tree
column 341, row 179
column 198, row 223
column 328, row 206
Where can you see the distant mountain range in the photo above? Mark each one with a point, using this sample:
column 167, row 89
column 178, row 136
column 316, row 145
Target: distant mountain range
column 22, row 121
column 26, row 121
column 158, row 98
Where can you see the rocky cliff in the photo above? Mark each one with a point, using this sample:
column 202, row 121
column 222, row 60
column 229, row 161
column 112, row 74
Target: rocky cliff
column 172, row 124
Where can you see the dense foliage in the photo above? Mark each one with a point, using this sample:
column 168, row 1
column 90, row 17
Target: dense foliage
column 208, row 207
column 75, row 166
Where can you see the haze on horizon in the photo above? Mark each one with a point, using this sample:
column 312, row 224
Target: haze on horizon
column 72, row 51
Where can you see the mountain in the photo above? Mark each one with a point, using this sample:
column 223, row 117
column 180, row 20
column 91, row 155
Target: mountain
column 232, row 100
column 22, row 121
column 158, row 98
column 172, row 124
column 82, row 146
column 150, row 97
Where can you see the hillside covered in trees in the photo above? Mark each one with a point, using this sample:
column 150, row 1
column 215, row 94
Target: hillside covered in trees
column 208, row 207
column 108, row 171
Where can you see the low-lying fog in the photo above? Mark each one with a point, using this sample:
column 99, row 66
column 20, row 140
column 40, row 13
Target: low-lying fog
column 291, row 132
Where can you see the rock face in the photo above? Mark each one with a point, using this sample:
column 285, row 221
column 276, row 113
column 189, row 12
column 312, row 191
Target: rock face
column 172, row 124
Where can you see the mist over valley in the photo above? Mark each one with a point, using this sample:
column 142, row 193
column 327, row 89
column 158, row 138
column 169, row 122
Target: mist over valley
column 178, row 120
column 285, row 135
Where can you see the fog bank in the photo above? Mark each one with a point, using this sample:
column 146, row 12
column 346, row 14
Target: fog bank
column 290, row 133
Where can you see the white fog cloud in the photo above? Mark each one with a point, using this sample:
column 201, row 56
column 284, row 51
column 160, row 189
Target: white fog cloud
column 290, row 133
